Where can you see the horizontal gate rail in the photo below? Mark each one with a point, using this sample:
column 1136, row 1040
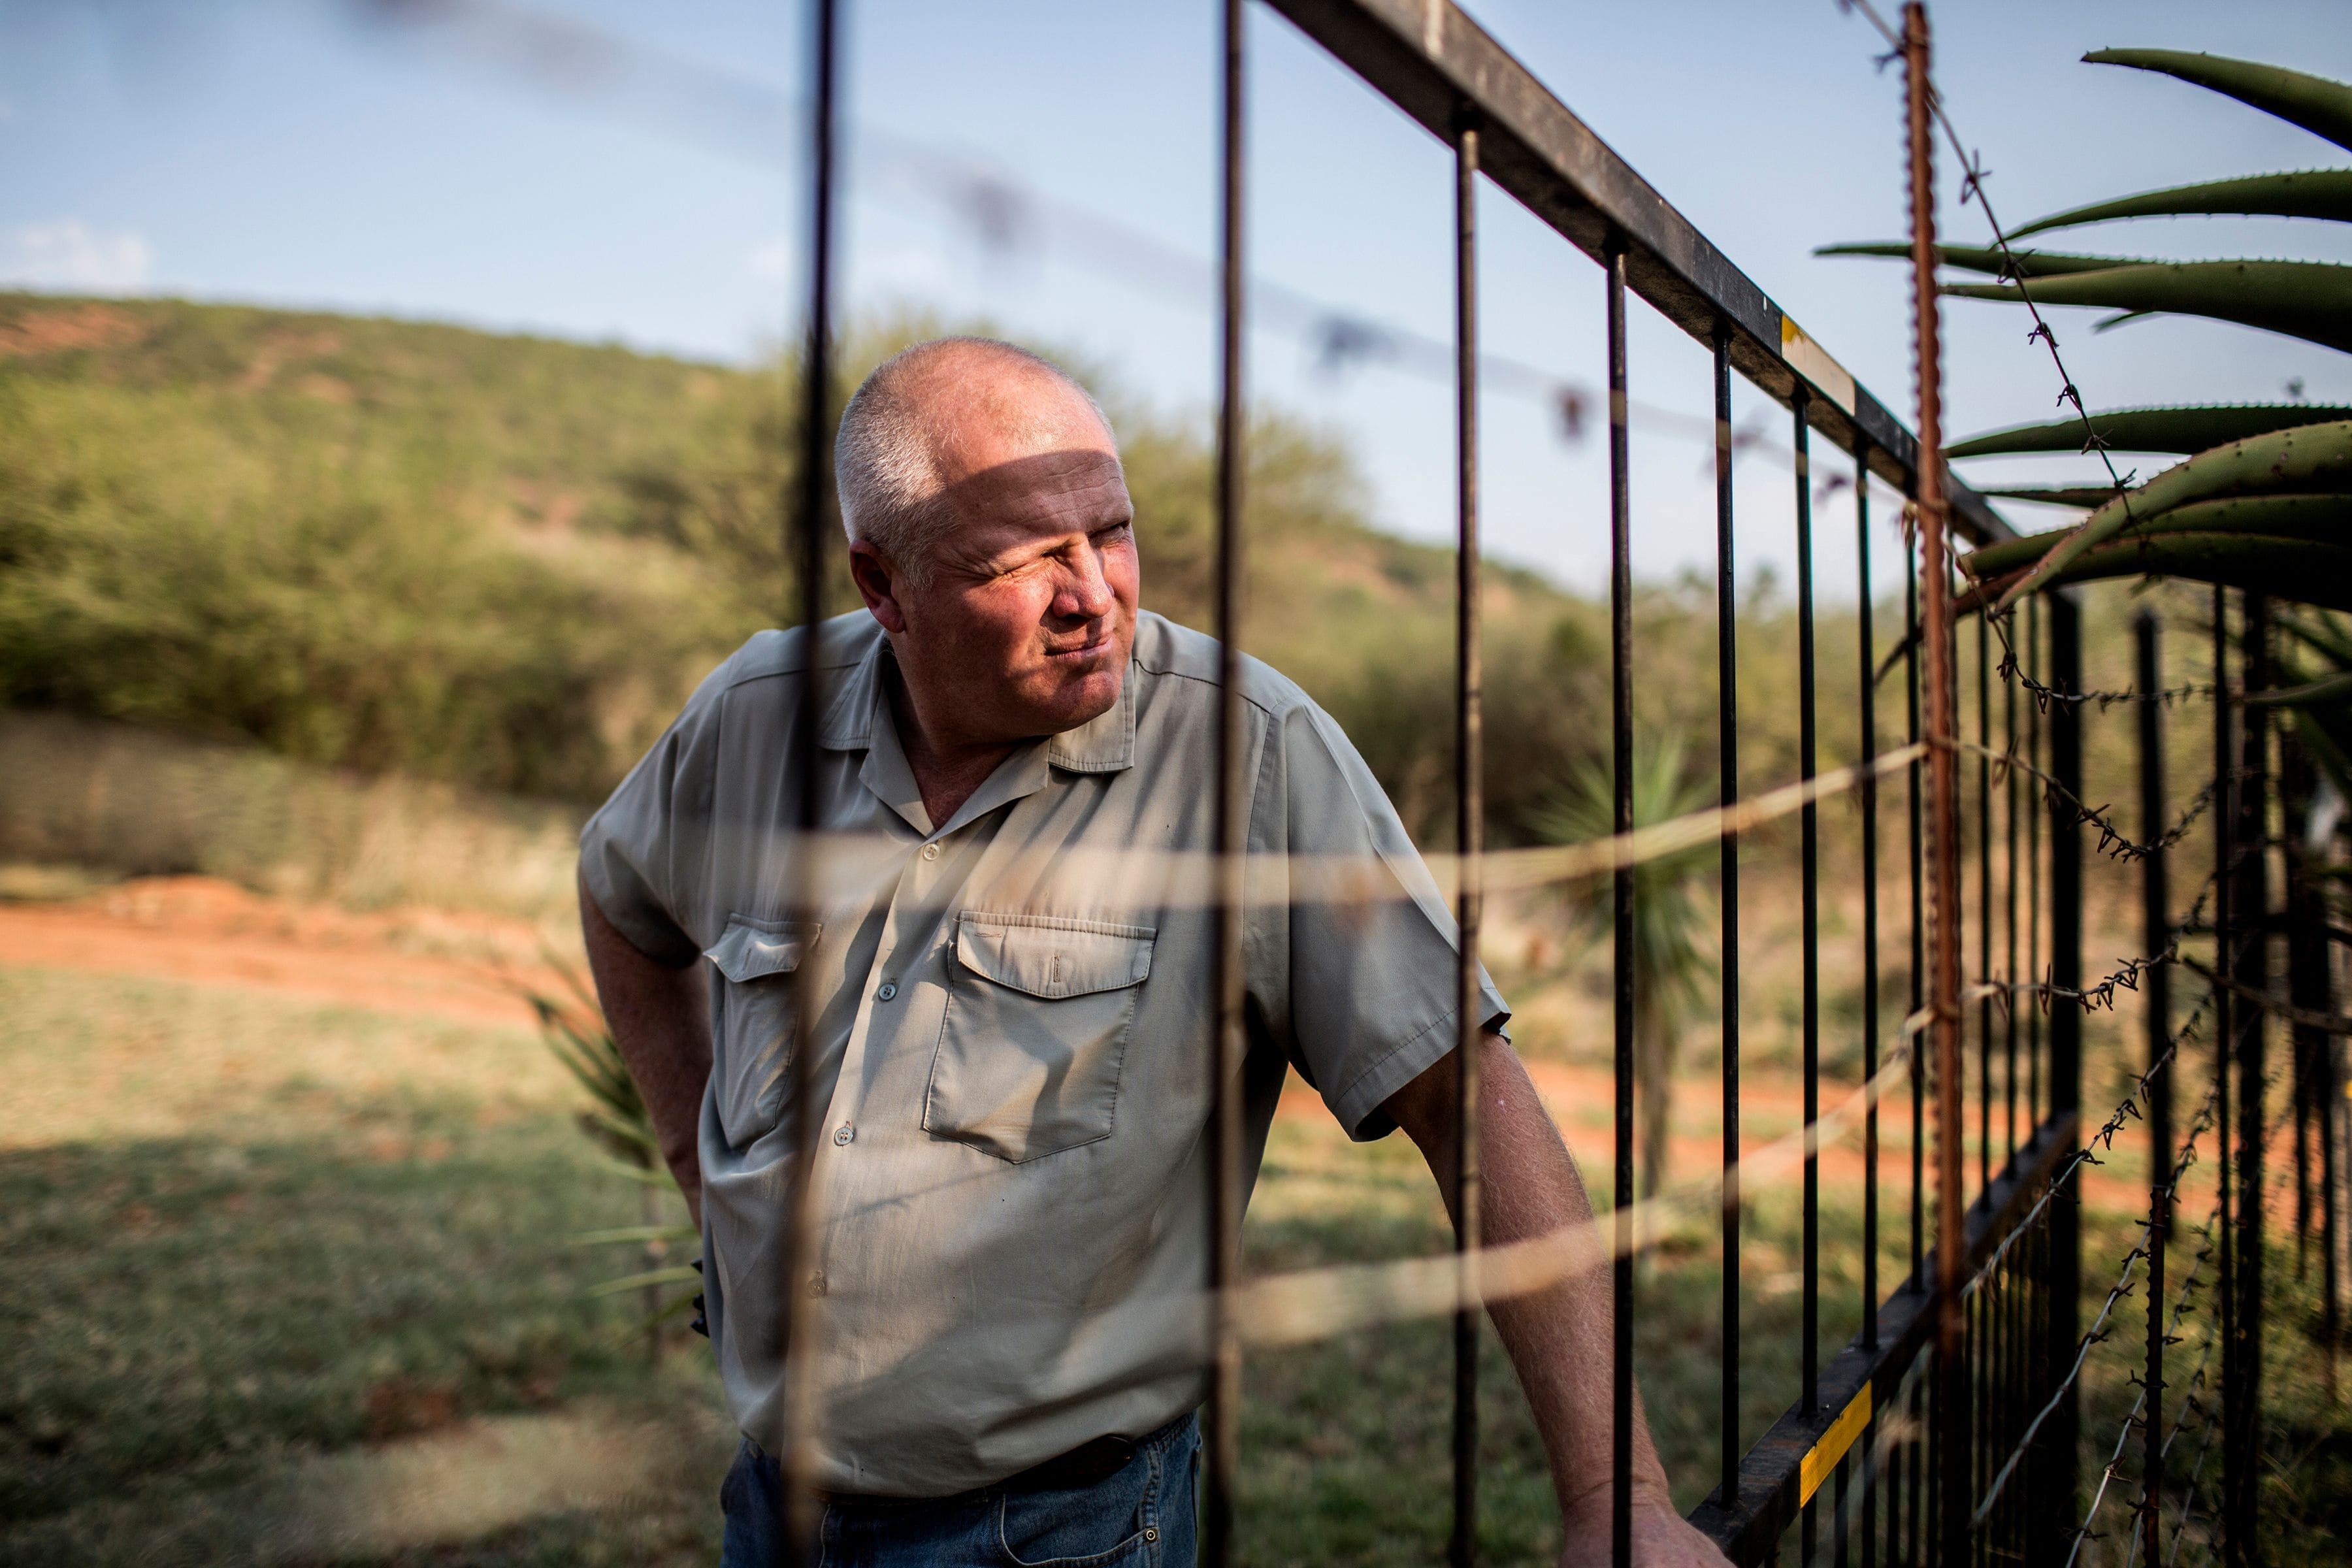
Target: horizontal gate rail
column 1772, row 1475
column 1429, row 59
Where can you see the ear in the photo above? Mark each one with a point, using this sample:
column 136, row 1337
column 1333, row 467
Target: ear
column 879, row 583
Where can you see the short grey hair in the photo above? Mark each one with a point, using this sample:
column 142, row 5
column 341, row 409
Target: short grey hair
column 883, row 456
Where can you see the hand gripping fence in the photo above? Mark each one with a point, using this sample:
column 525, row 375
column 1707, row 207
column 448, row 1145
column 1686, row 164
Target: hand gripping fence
column 1946, row 1430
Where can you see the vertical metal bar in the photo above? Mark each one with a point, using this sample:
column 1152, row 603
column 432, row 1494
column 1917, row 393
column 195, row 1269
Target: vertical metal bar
column 2306, row 952
column 1809, row 827
column 2225, row 827
column 796, row 1539
column 2331, row 1212
column 1469, row 827
column 2011, row 998
column 2063, row 1279
column 1951, row 1414
column 1866, row 655
column 1866, row 668
column 1984, row 897
column 1726, row 729
column 2252, row 972
column 1921, row 1046
column 2155, row 992
column 1226, row 1045
column 2034, row 873
column 2311, row 985
column 2306, row 966
column 1621, row 693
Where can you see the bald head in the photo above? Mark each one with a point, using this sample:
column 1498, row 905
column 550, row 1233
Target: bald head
column 934, row 416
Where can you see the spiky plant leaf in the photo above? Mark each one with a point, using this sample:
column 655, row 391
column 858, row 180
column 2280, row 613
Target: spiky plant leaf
column 2057, row 495
column 2306, row 300
column 2182, row 430
column 2308, row 458
column 2297, row 569
column 2328, row 691
column 2323, row 519
column 1986, row 258
column 2320, row 106
column 2325, row 194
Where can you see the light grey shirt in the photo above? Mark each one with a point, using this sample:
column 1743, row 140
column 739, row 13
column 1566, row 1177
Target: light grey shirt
column 1012, row 1035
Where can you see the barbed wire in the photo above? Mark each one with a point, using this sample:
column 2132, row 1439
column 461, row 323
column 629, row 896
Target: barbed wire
column 2097, row 1333
column 2102, row 993
column 2132, row 1418
column 2113, row 843
column 2127, row 1111
column 2189, row 1387
column 2012, row 669
column 2122, row 1287
column 1972, row 186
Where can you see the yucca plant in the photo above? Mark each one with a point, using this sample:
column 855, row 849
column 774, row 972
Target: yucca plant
column 2263, row 498
column 1670, row 968
column 616, row 1122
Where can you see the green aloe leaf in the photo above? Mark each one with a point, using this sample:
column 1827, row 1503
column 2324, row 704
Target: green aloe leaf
column 2325, row 194
column 2308, row 458
column 2320, row 106
column 2057, row 495
column 2184, row 430
column 1986, row 258
column 2328, row 691
column 2295, row 569
column 2308, row 299
column 2326, row 518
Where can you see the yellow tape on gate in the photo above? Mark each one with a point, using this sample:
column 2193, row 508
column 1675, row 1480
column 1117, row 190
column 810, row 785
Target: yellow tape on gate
column 1826, row 1455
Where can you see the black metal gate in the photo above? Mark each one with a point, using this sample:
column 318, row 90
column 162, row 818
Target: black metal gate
column 1924, row 1438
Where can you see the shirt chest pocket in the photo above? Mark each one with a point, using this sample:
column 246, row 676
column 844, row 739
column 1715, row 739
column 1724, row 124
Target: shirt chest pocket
column 1037, row 1019
column 751, row 1020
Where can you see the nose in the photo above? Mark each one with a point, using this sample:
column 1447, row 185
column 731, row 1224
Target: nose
column 1085, row 593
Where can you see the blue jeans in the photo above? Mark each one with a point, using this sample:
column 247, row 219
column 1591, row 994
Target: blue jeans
column 1141, row 1517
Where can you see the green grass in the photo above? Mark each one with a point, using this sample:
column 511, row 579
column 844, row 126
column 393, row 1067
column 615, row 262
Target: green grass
column 300, row 1267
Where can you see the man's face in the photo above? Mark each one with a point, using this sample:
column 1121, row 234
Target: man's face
column 1023, row 623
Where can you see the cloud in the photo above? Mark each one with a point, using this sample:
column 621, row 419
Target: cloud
column 68, row 253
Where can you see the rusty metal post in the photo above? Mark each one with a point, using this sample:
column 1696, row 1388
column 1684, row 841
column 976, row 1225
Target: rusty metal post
column 1943, row 806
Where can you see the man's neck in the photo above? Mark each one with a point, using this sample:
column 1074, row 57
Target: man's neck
column 947, row 773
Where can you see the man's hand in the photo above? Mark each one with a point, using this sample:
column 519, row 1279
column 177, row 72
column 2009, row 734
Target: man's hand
column 660, row 1018
column 1661, row 1538
column 1558, row 1338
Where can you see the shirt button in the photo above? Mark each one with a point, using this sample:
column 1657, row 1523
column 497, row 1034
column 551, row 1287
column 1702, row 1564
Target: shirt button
column 842, row 1136
column 817, row 1283
column 889, row 989
column 930, row 851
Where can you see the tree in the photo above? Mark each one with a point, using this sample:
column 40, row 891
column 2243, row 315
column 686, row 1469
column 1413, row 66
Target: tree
column 1670, row 967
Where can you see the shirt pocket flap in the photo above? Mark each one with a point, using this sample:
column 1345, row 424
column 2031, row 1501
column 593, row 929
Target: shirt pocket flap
column 753, row 948
column 1053, row 958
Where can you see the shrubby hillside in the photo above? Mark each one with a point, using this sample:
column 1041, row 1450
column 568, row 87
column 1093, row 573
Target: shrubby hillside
column 501, row 560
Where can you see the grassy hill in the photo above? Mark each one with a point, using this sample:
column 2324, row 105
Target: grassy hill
column 501, row 560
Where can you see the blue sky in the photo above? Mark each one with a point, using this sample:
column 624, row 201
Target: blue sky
column 298, row 151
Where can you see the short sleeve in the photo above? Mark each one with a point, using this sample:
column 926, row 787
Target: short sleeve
column 1352, row 948
column 638, row 852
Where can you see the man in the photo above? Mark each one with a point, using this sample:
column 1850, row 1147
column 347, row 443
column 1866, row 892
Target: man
column 1011, row 966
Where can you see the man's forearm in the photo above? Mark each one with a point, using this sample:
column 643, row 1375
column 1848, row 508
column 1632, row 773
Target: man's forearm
column 660, row 1019
column 1560, row 1338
